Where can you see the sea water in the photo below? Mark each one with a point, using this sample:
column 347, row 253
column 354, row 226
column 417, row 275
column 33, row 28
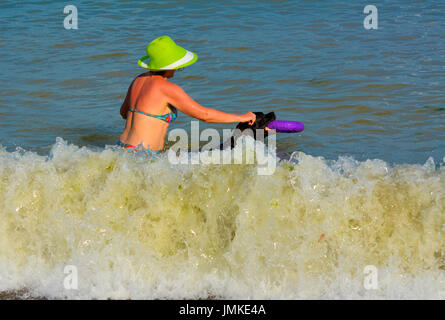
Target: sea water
column 362, row 187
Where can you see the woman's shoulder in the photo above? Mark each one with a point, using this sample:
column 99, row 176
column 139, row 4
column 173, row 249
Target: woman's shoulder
column 164, row 85
column 172, row 89
column 146, row 78
column 144, row 75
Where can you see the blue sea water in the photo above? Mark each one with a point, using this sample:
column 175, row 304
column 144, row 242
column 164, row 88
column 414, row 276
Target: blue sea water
column 365, row 93
column 366, row 187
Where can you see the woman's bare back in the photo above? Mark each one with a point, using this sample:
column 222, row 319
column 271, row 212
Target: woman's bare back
column 146, row 95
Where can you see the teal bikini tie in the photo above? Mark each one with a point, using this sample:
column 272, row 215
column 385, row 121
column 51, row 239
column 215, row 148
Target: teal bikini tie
column 168, row 117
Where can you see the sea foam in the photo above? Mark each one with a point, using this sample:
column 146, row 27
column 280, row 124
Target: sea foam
column 141, row 227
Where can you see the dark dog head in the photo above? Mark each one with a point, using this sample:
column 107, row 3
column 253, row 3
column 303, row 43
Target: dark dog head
column 261, row 122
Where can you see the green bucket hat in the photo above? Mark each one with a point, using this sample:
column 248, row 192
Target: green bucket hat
column 165, row 54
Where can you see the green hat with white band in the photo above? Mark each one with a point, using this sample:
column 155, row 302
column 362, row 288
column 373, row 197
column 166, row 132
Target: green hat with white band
column 165, row 54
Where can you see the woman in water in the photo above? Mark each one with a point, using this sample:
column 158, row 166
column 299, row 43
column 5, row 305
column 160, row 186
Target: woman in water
column 152, row 101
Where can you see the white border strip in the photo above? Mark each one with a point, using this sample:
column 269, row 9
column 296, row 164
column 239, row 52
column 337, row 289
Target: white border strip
column 188, row 57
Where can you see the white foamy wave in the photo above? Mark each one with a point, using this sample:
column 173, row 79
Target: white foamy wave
column 138, row 226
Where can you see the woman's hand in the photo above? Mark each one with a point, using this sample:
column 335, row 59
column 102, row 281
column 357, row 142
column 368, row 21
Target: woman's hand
column 249, row 117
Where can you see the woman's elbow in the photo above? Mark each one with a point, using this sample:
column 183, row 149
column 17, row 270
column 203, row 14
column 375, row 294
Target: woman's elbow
column 205, row 116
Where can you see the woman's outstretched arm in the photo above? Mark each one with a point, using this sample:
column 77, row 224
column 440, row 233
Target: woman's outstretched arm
column 183, row 102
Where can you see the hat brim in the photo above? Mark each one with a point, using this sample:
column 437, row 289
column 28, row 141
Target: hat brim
column 188, row 59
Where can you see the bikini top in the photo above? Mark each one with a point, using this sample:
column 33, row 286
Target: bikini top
column 168, row 117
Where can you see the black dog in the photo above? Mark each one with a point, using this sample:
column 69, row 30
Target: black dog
column 261, row 122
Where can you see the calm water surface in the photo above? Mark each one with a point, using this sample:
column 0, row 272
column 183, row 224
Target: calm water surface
column 365, row 93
